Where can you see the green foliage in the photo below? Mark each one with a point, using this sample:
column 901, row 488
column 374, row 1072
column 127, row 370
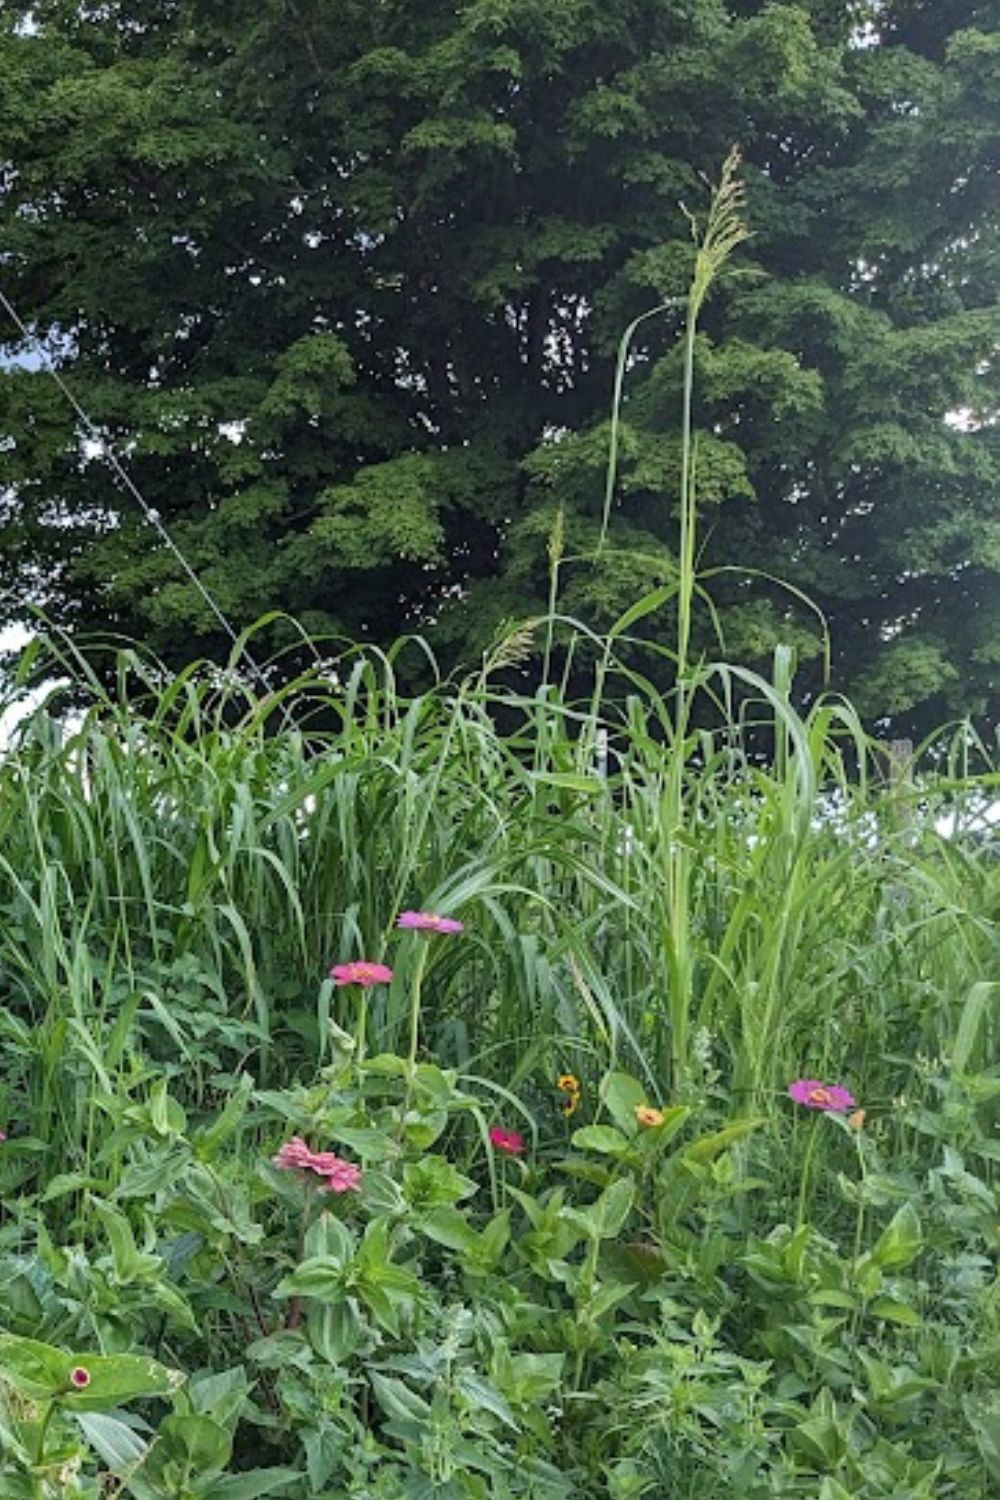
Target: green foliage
column 574, row 1342
column 684, row 1284
column 345, row 292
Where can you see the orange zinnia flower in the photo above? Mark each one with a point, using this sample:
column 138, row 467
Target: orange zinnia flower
column 648, row 1117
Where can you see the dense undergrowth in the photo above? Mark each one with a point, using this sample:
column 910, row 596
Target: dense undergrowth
column 663, row 1278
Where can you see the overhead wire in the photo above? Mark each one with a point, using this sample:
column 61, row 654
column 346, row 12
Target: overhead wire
column 107, row 452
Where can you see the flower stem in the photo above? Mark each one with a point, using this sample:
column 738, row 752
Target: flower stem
column 418, row 979
column 38, row 1480
column 806, row 1172
column 859, row 1229
column 411, row 1069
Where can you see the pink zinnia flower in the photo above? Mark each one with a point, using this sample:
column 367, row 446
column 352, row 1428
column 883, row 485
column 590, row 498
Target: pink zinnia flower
column 508, row 1142
column 361, row 972
column 294, row 1154
column 79, row 1377
column 340, row 1176
column 3, row 1135
column 343, row 1177
column 816, row 1095
column 428, row 921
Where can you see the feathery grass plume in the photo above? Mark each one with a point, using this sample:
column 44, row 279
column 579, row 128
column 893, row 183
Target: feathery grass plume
column 725, row 230
column 512, row 650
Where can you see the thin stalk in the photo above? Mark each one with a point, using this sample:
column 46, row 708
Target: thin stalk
column 415, row 1008
column 800, row 1216
column 38, row 1485
column 556, row 548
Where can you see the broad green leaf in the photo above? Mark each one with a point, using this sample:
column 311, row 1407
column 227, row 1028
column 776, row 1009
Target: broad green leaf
column 608, row 1297
column 129, row 1263
column 194, row 1442
column 653, row 1139
column 602, row 1138
column 650, row 602
column 983, row 1416
column 612, row 1208
column 385, row 1065
column 448, row 1227
column 490, row 1245
column 208, row 1141
column 221, row 1395
column 707, row 1147
column 832, row 1297
column 335, row 1330
column 977, row 1004
column 589, row 786
column 70, row 1182
column 250, row 1485
column 380, row 1194
column 397, row 1400
column 116, row 1378
column 368, row 1144
column 821, row 1440
column 481, row 1393
column 329, row 1238
column 621, row 1094
column 152, row 1174
column 900, row 1242
column 33, row 1368
column 434, row 1183
column 895, row 1312
column 320, row 1276
column 324, row 1447
column 119, row 1445
column 535, row 1376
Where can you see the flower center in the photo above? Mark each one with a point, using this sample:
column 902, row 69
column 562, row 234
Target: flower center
column 820, row 1096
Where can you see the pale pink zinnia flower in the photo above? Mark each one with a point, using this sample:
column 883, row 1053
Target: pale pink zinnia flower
column 428, row 921
column 815, row 1095
column 360, row 971
column 294, row 1154
column 508, row 1142
column 343, row 1177
column 339, row 1176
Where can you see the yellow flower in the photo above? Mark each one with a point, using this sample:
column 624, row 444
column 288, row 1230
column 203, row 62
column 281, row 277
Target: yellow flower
column 569, row 1084
column 648, row 1117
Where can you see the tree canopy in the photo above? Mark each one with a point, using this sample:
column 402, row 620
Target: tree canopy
column 343, row 285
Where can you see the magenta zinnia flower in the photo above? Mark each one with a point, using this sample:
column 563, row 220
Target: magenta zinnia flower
column 428, row 921
column 79, row 1377
column 816, row 1095
column 508, row 1142
column 360, row 971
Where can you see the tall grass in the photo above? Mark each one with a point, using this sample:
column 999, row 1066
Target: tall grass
column 180, row 864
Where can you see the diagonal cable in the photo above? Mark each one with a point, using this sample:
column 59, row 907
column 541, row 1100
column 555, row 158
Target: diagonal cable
column 129, row 484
